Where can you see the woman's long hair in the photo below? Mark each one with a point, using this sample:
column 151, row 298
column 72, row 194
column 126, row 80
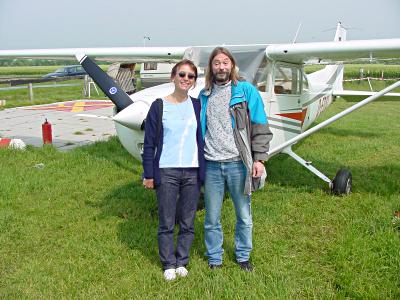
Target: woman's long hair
column 234, row 77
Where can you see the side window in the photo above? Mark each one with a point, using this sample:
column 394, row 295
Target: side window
column 150, row 66
column 287, row 79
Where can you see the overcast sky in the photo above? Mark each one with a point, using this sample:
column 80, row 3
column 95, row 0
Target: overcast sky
column 89, row 23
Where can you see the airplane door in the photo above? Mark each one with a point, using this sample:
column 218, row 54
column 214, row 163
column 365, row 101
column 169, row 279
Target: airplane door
column 286, row 108
column 287, row 86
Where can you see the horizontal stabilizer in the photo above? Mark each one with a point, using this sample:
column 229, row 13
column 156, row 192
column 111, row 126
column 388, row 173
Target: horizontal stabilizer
column 360, row 95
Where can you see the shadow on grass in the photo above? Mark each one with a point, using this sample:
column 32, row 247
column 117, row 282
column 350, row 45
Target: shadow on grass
column 137, row 208
column 350, row 133
column 385, row 99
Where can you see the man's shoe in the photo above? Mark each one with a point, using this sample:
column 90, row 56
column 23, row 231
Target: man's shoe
column 214, row 267
column 245, row 266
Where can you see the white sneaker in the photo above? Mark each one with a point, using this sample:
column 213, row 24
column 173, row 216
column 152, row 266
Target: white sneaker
column 181, row 271
column 169, row 274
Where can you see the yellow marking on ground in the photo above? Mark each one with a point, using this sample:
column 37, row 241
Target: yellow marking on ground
column 78, row 106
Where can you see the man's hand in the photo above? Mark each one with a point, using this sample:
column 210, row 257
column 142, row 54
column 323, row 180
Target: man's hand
column 258, row 169
column 148, row 183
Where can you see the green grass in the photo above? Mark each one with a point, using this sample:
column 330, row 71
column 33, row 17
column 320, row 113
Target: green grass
column 20, row 97
column 83, row 226
column 364, row 85
column 371, row 70
column 27, row 71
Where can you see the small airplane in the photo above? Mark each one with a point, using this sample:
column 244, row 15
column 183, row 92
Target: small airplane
column 292, row 99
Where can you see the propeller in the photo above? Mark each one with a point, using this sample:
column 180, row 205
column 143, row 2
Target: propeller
column 105, row 82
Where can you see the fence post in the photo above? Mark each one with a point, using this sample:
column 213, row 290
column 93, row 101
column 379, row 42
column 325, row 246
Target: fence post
column 30, row 88
column 85, row 85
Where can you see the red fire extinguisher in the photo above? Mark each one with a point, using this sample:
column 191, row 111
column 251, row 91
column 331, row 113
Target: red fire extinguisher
column 46, row 133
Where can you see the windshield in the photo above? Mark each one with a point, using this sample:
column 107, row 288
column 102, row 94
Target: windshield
column 248, row 58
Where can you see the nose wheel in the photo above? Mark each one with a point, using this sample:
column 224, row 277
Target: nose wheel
column 341, row 184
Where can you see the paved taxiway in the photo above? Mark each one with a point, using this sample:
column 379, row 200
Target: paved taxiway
column 74, row 123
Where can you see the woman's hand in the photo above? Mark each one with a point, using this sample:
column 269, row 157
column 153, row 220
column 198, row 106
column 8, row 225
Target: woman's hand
column 148, row 183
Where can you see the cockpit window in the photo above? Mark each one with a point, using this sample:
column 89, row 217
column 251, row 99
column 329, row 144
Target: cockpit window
column 260, row 79
column 287, row 79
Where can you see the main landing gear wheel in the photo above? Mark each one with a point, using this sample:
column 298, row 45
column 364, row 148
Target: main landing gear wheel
column 341, row 184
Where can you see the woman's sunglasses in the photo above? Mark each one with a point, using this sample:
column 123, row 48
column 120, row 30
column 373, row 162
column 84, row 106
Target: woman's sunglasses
column 189, row 75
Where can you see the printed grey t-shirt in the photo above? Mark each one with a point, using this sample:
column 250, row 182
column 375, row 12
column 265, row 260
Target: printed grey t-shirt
column 219, row 142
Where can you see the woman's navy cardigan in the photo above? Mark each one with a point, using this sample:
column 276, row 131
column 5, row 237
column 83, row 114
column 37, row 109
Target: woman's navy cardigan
column 152, row 148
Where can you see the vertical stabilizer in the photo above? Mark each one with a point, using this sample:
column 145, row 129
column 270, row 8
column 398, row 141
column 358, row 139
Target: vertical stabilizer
column 332, row 74
column 340, row 34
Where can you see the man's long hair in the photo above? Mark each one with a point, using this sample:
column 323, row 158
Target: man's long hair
column 234, row 77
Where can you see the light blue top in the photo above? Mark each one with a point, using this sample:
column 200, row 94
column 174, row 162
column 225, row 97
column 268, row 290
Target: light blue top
column 179, row 140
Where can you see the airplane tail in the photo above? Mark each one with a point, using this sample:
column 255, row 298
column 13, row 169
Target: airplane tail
column 340, row 34
column 332, row 74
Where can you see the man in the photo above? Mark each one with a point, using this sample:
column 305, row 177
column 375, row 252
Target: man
column 237, row 136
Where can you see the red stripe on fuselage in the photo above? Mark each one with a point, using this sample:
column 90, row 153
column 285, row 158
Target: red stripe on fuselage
column 299, row 116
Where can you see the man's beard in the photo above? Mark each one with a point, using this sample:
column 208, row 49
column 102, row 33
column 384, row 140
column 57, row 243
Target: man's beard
column 221, row 77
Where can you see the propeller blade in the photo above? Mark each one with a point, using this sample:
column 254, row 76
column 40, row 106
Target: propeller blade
column 105, row 82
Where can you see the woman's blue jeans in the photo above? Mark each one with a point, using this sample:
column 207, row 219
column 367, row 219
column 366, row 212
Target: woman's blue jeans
column 233, row 175
column 177, row 197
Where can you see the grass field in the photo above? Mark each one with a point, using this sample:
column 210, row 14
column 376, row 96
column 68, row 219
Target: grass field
column 46, row 95
column 83, row 226
column 34, row 71
column 20, row 97
column 371, row 70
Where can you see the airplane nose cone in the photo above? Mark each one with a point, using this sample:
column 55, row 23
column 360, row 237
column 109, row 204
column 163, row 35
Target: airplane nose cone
column 133, row 115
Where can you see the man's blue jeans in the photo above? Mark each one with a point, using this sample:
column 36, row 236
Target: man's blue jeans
column 233, row 174
column 177, row 196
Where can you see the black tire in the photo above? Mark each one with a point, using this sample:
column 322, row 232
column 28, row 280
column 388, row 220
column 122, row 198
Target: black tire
column 342, row 183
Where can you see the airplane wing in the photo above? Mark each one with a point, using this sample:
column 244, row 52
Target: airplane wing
column 309, row 53
column 332, row 52
column 120, row 54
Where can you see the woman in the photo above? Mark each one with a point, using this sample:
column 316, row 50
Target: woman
column 173, row 163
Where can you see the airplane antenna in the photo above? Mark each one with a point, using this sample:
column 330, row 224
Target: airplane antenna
column 297, row 32
column 145, row 37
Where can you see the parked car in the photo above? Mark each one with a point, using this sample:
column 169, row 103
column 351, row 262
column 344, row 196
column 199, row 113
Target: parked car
column 75, row 70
